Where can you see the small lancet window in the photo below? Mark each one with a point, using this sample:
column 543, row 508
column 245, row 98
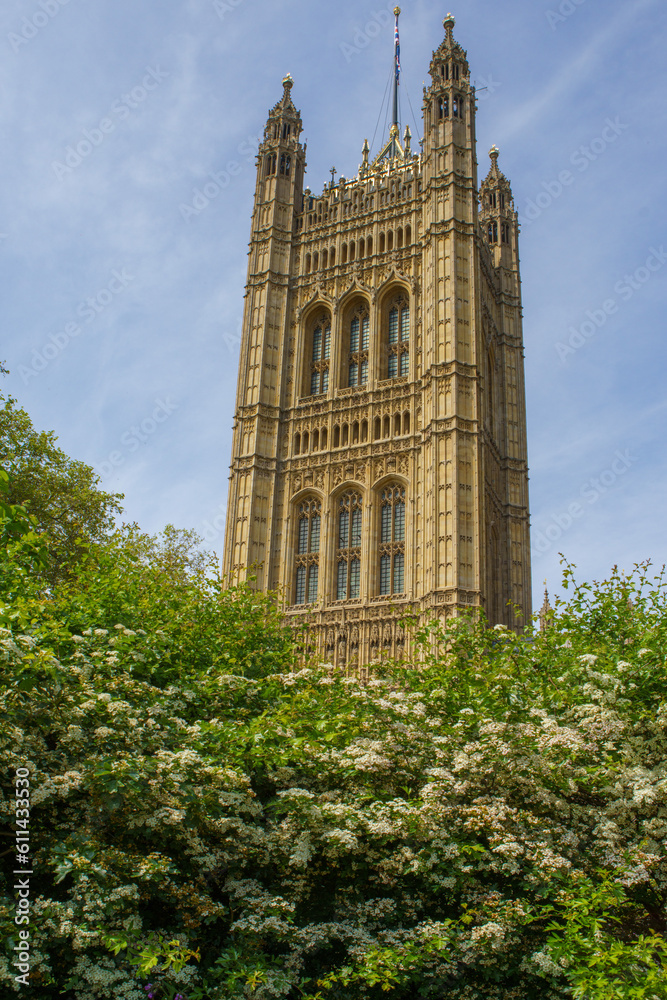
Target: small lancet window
column 309, row 520
column 493, row 232
column 348, row 569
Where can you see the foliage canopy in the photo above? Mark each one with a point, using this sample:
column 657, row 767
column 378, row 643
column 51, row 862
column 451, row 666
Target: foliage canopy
column 212, row 820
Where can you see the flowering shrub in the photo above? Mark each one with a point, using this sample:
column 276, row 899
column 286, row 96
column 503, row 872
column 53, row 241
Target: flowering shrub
column 210, row 821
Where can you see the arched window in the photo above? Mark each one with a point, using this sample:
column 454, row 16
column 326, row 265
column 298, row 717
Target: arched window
column 369, row 246
column 398, row 338
column 321, row 353
column 377, row 429
column 297, row 444
column 358, row 353
column 285, row 164
column 307, row 559
column 443, row 107
column 336, row 437
column 332, row 256
column 344, row 252
column 392, row 540
column 493, row 232
column 382, row 242
column 348, row 561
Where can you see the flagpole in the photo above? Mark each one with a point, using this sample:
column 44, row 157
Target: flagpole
column 397, row 66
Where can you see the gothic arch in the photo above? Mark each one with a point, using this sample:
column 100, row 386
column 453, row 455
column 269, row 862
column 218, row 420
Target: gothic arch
column 316, row 340
column 348, row 545
column 389, row 568
column 306, row 536
column 394, row 325
column 355, row 325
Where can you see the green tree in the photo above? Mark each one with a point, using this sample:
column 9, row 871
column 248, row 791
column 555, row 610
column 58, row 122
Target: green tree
column 61, row 493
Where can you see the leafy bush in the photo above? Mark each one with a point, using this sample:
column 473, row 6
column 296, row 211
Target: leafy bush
column 208, row 820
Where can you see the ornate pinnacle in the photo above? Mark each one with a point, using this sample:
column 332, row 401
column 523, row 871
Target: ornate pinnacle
column 448, row 24
column 494, row 153
column 288, row 82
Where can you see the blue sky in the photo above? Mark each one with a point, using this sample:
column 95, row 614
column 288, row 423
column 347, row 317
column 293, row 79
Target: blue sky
column 121, row 317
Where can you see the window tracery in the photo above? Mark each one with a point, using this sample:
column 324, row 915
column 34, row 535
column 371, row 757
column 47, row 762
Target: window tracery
column 358, row 353
column 320, row 357
column 392, row 540
column 398, row 338
column 348, row 560
column 307, row 559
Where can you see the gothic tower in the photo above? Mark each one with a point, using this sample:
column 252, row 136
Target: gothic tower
column 379, row 463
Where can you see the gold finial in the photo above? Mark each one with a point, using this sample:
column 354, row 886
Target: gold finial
column 288, row 82
column 449, row 22
column 494, row 152
column 397, row 11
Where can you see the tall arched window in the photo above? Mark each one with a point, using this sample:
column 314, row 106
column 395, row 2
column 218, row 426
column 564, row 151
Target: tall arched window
column 307, row 559
column 398, row 338
column 392, row 540
column 358, row 354
column 321, row 353
column 348, row 562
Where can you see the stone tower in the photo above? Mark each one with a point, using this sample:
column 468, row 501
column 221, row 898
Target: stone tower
column 379, row 463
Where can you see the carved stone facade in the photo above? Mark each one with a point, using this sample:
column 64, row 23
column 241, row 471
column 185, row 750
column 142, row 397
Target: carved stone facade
column 379, row 462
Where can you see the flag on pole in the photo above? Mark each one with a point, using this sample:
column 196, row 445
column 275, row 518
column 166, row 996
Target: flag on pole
column 397, row 49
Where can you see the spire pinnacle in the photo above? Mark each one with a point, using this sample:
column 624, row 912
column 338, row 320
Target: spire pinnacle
column 448, row 25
